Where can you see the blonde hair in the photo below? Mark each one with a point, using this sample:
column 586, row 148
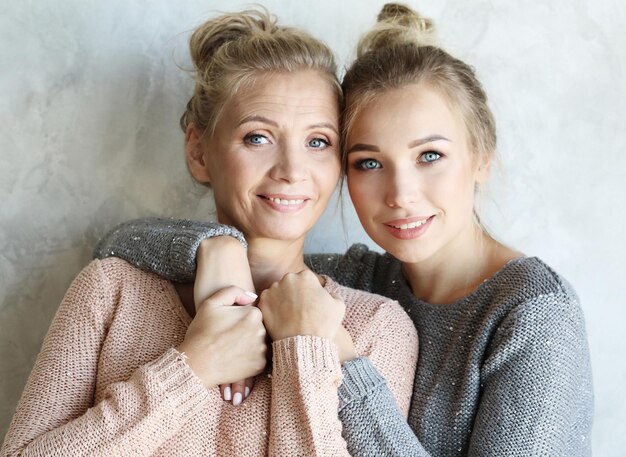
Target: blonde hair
column 401, row 49
column 233, row 49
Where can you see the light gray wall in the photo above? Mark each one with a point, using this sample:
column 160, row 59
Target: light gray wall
column 90, row 96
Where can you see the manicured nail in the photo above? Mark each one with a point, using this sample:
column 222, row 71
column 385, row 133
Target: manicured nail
column 246, row 392
column 227, row 393
column 252, row 295
column 237, row 399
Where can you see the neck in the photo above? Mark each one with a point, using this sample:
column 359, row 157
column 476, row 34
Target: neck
column 458, row 268
column 271, row 259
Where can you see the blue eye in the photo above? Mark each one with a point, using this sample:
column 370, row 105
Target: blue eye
column 256, row 139
column 367, row 164
column 430, row 157
column 318, row 143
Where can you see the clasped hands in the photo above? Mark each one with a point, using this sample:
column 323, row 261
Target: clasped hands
column 226, row 343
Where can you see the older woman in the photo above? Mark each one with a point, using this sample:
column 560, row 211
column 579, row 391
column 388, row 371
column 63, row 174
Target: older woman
column 131, row 361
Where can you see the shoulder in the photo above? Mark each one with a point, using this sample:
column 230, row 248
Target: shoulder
column 542, row 302
column 105, row 283
column 530, row 277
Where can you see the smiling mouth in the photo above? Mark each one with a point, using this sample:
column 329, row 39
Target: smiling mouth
column 283, row 201
column 410, row 225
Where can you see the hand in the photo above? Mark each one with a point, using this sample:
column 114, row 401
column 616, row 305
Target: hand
column 226, row 340
column 299, row 305
column 344, row 343
column 222, row 261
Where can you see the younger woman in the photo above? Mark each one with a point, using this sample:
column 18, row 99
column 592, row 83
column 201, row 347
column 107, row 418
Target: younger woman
column 130, row 364
column 504, row 364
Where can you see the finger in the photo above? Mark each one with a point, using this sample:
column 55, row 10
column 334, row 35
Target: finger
column 229, row 296
column 226, row 392
column 238, row 390
column 249, row 385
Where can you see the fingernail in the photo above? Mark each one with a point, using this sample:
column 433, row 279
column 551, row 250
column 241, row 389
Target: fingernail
column 252, row 294
column 237, row 399
column 246, row 392
column 227, row 393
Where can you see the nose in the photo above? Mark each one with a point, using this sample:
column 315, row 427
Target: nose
column 290, row 165
column 402, row 188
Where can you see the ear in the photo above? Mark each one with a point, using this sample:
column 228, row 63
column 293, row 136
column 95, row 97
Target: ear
column 483, row 169
column 195, row 150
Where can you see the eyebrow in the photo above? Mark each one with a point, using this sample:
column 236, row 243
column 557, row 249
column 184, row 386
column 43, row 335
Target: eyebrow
column 412, row 144
column 257, row 118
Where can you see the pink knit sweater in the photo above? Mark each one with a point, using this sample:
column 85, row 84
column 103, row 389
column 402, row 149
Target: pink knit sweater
column 109, row 382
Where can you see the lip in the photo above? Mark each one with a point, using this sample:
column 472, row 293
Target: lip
column 266, row 198
column 408, row 234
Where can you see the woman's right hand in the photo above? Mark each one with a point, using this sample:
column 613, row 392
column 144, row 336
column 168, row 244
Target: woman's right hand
column 225, row 342
column 299, row 305
column 223, row 261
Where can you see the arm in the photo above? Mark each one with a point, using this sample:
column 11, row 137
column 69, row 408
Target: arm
column 356, row 268
column 372, row 422
column 373, row 416
column 304, row 398
column 56, row 414
column 302, row 318
column 167, row 247
column 374, row 411
column 537, row 397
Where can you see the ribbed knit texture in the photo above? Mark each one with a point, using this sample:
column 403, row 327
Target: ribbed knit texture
column 504, row 371
column 108, row 381
column 153, row 244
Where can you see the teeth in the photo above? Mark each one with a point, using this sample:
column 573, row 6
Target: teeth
column 280, row 201
column 411, row 225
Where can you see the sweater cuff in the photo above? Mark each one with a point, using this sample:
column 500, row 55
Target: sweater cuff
column 183, row 389
column 360, row 378
column 305, row 353
column 186, row 241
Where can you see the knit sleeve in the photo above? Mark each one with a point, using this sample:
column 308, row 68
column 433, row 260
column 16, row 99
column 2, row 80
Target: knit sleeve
column 355, row 268
column 376, row 391
column 537, row 395
column 164, row 246
column 373, row 415
column 56, row 415
column 304, row 403
column 372, row 422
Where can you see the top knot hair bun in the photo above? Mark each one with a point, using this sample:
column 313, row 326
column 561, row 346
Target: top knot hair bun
column 398, row 24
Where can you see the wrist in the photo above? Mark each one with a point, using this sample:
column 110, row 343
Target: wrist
column 219, row 245
column 190, row 358
column 221, row 262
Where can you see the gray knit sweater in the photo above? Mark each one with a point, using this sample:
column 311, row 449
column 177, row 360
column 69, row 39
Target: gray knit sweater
column 502, row 372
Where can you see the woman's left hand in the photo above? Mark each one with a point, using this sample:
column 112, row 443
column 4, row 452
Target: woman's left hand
column 299, row 305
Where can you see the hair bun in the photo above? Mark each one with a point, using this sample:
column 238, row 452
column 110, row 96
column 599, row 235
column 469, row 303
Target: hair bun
column 398, row 24
column 230, row 27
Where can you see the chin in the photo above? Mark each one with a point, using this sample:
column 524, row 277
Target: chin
column 283, row 233
column 406, row 251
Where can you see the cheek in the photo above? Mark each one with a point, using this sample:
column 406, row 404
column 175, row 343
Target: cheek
column 454, row 189
column 362, row 189
column 327, row 174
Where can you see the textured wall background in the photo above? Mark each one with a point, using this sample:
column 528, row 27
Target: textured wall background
column 90, row 96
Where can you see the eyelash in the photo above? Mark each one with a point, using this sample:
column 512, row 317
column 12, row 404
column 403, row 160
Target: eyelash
column 360, row 164
column 324, row 141
column 432, row 161
column 248, row 139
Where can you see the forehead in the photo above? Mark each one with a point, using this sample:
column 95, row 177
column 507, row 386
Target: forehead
column 305, row 92
column 413, row 109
